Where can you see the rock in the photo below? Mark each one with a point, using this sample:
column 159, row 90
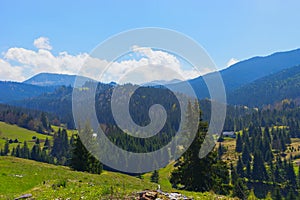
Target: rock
column 25, row 196
column 147, row 195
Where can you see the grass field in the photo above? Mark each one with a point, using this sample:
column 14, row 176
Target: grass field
column 45, row 181
column 8, row 131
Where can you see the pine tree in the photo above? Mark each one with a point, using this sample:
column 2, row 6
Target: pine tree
column 60, row 148
column 199, row 174
column 13, row 152
column 234, row 175
column 246, row 157
column 25, row 153
column 82, row 160
column 220, row 150
column 239, row 189
column 6, row 148
column 155, row 177
column 36, row 153
column 277, row 195
column 291, row 194
column 79, row 155
column 298, row 177
column 239, row 144
column 240, row 167
column 248, row 170
column 259, row 169
column 18, row 151
column 291, row 176
column 47, row 145
column 44, row 121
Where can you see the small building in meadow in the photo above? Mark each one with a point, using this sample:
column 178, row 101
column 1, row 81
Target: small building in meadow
column 230, row 134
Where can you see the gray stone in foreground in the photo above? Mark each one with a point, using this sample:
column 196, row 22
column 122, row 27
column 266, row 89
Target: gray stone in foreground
column 25, row 196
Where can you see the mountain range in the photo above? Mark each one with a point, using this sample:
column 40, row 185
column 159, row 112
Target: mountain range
column 253, row 82
column 247, row 71
column 50, row 79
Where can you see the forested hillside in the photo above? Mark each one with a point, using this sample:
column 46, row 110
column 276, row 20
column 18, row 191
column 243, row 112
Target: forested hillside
column 269, row 90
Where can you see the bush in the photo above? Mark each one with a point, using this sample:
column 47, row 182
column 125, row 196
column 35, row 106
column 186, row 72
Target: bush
column 59, row 184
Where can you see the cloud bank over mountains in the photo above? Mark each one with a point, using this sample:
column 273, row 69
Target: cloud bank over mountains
column 142, row 65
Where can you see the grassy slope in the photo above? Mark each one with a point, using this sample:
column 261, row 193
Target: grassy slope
column 41, row 180
column 19, row 176
column 14, row 132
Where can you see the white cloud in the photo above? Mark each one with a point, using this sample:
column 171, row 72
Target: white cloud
column 9, row 72
column 44, row 61
column 153, row 65
column 232, row 61
column 42, row 43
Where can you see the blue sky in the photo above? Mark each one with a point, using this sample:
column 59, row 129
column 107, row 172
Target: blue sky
column 226, row 29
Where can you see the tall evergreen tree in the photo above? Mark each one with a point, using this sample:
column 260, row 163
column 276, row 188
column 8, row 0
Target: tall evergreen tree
column 291, row 194
column 240, row 167
column 246, row 156
column 60, row 148
column 220, row 150
column 155, row 176
column 82, row 160
column 240, row 190
column 47, row 145
column 18, row 151
column 291, row 176
column 36, row 153
column 199, row 174
column 277, row 194
column 259, row 169
column 6, row 148
column 25, row 152
column 248, row 170
column 239, row 144
column 234, row 175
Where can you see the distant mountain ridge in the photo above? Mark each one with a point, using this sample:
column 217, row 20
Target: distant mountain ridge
column 269, row 89
column 247, row 71
column 14, row 91
column 51, row 79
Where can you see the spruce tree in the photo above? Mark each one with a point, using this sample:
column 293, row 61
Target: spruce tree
column 240, row 167
column 246, row 157
column 25, row 152
column 291, row 194
column 47, row 145
column 248, row 170
column 277, row 194
column 220, row 150
column 18, row 151
column 239, row 144
column 234, row 175
column 6, row 148
column 199, row 174
column 79, row 155
column 36, row 153
column 291, row 176
column 82, row 160
column 240, row 190
column 259, row 169
column 13, row 152
column 155, row 177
